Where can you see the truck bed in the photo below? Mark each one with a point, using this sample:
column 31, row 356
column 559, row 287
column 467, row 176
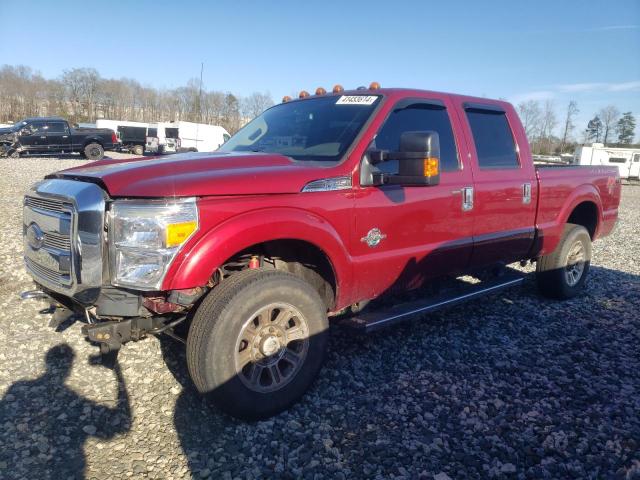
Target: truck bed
column 559, row 185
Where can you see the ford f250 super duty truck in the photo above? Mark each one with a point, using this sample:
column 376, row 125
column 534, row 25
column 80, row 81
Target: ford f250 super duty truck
column 313, row 209
column 51, row 135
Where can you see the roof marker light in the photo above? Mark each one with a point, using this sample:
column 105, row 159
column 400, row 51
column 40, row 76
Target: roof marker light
column 286, row 99
column 374, row 86
column 320, row 91
column 338, row 89
column 303, row 94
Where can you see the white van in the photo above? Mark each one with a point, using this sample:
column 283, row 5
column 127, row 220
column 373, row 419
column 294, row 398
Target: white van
column 626, row 159
column 182, row 136
column 131, row 135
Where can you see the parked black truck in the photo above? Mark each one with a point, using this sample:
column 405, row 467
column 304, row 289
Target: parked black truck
column 47, row 135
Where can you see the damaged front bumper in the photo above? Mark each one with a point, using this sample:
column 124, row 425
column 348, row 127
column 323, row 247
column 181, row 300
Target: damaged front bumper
column 119, row 316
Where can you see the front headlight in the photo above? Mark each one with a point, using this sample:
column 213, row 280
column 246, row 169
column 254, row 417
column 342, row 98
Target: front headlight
column 145, row 237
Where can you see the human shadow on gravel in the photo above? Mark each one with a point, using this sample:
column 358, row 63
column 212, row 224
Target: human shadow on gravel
column 45, row 423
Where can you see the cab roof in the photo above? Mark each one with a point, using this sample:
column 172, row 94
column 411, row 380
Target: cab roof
column 408, row 92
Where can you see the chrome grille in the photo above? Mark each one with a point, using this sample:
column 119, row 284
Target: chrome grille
column 47, row 204
column 63, row 230
column 46, row 273
column 55, row 240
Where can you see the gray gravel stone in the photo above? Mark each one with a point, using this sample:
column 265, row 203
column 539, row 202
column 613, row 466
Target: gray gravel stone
column 513, row 386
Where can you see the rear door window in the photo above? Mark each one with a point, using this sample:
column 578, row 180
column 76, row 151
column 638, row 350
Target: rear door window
column 493, row 139
column 56, row 127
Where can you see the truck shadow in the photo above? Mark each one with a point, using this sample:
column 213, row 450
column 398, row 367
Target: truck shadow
column 375, row 392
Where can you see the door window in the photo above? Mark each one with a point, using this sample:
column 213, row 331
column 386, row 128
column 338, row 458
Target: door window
column 493, row 139
column 417, row 116
column 56, row 127
column 33, row 128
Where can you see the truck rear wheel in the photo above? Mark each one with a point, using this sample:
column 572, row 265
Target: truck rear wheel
column 94, row 151
column 562, row 273
column 138, row 150
column 257, row 342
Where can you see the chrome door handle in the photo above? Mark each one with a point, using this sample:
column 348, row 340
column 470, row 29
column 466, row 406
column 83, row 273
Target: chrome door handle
column 467, row 199
column 65, row 136
column 43, row 137
column 526, row 193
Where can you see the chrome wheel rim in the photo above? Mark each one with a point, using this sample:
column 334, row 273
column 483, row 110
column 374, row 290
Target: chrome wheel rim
column 575, row 263
column 272, row 347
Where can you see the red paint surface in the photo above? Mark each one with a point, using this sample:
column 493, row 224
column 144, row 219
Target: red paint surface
column 245, row 199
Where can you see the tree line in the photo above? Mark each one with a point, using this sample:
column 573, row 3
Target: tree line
column 82, row 95
column 548, row 135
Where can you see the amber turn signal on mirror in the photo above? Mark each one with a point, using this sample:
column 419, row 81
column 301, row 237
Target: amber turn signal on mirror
column 431, row 166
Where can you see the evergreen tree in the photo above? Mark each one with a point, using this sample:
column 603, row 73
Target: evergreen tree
column 626, row 128
column 594, row 129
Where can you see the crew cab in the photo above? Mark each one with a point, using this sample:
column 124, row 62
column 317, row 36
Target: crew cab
column 53, row 135
column 311, row 211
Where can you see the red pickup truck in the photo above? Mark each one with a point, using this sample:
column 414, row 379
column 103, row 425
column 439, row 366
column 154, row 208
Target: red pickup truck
column 313, row 209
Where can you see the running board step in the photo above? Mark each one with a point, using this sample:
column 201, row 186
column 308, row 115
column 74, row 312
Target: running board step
column 369, row 321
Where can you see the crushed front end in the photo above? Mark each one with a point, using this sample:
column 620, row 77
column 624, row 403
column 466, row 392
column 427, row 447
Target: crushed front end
column 104, row 260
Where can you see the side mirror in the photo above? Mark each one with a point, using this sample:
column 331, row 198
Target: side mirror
column 24, row 132
column 418, row 159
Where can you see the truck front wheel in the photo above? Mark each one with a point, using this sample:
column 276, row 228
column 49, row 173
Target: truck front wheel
column 138, row 150
column 562, row 273
column 257, row 342
column 94, row 151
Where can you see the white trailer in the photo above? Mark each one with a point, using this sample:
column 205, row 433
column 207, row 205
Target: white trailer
column 626, row 159
column 183, row 136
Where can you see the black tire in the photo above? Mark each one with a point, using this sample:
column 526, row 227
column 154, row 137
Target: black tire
column 14, row 154
column 94, row 151
column 557, row 276
column 138, row 150
column 216, row 340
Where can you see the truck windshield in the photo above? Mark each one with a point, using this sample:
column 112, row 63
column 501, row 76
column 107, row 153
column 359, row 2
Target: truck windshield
column 319, row 129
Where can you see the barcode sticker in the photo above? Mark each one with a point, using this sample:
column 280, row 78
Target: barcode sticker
column 356, row 100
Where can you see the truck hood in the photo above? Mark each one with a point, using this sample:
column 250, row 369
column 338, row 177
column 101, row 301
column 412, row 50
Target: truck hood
column 197, row 174
column 6, row 133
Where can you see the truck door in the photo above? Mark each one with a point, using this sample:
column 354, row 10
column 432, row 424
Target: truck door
column 405, row 235
column 58, row 137
column 505, row 186
column 33, row 137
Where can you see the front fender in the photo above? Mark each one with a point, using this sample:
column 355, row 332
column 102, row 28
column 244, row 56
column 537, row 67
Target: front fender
column 198, row 260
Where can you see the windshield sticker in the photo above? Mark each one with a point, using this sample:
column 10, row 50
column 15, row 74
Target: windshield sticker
column 356, row 100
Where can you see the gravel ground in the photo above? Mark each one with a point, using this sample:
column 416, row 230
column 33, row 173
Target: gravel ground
column 514, row 386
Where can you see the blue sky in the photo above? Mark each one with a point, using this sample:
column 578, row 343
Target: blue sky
column 560, row 50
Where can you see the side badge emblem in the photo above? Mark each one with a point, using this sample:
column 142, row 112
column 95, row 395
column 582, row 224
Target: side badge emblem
column 374, row 237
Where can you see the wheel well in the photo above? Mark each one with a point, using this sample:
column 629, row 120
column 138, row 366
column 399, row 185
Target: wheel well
column 298, row 257
column 585, row 214
column 92, row 140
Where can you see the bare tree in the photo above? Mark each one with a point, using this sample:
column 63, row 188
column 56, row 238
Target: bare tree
column 547, row 125
column 609, row 116
column 530, row 116
column 572, row 111
column 254, row 105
